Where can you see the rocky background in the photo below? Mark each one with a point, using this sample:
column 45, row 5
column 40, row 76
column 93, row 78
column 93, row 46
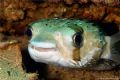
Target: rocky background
column 15, row 15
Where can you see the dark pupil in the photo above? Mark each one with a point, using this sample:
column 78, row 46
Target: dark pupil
column 78, row 39
column 29, row 32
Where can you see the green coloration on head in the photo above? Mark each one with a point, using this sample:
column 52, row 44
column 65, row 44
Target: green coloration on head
column 47, row 27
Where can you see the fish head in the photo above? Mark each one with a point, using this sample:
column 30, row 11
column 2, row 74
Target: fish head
column 59, row 43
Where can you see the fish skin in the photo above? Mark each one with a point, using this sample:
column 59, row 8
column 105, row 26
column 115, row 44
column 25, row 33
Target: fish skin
column 60, row 32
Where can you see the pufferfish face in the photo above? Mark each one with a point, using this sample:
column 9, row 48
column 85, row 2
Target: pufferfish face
column 56, row 42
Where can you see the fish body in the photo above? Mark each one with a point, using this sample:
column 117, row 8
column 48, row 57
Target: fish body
column 69, row 43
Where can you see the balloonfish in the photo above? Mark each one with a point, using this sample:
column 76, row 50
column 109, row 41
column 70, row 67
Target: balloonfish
column 73, row 43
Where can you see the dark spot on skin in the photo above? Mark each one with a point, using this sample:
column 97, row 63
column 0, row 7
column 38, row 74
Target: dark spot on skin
column 8, row 73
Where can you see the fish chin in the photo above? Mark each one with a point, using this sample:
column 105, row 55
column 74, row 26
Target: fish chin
column 43, row 54
column 49, row 56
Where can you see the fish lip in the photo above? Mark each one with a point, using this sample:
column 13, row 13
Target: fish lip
column 41, row 49
column 42, row 44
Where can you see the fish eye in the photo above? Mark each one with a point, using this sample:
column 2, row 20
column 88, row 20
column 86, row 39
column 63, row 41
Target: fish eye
column 77, row 39
column 28, row 32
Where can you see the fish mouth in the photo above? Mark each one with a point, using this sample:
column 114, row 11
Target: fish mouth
column 43, row 53
column 41, row 49
column 43, row 46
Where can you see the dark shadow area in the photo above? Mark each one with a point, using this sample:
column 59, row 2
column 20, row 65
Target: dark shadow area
column 2, row 22
column 31, row 66
column 38, row 1
column 109, row 28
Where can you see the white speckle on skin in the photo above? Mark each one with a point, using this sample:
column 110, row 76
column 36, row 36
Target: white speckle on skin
column 84, row 40
column 91, row 43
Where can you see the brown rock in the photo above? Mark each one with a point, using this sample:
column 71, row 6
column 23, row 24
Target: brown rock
column 113, row 18
column 60, row 73
column 94, row 13
column 68, row 1
column 13, row 14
